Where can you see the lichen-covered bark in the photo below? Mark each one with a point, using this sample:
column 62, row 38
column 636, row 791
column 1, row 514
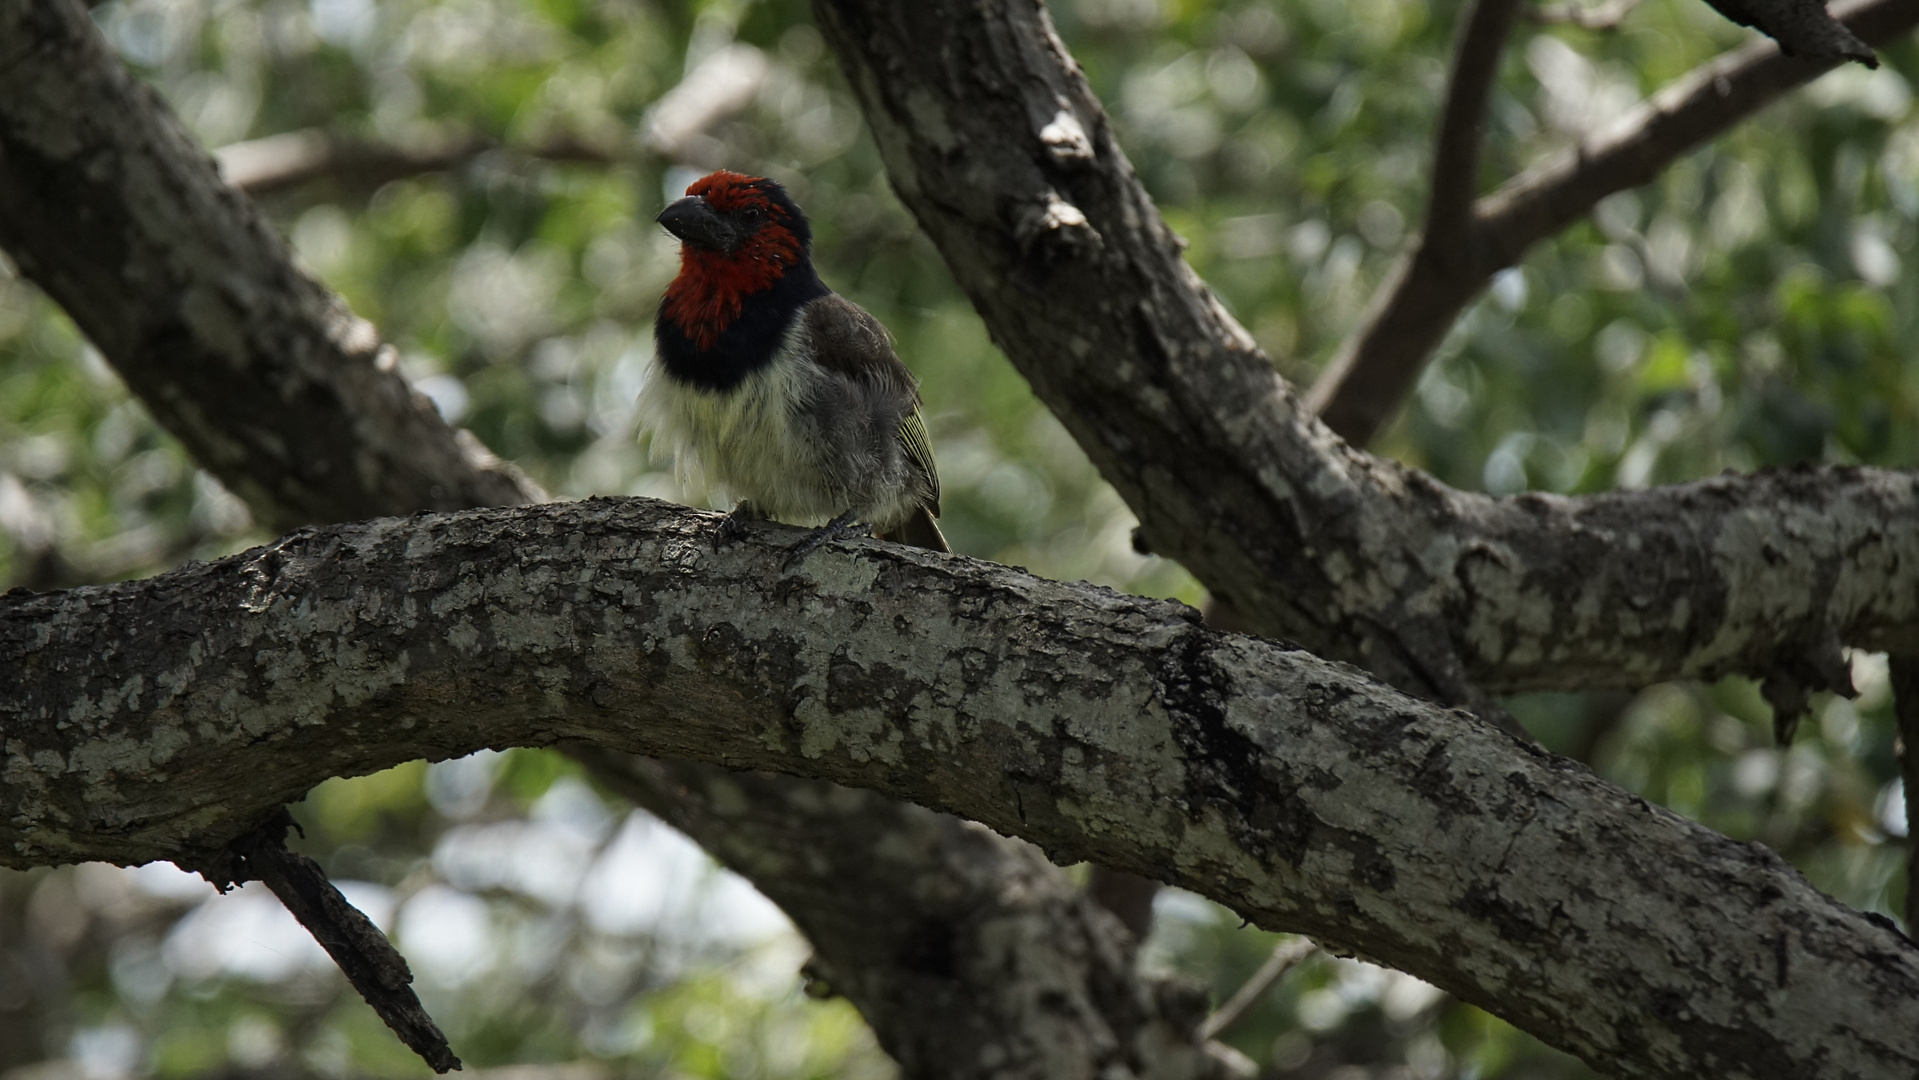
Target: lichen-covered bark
column 170, row 714
column 108, row 205
column 994, row 141
column 276, row 388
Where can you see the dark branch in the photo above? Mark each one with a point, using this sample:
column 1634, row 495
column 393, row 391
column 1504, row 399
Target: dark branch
column 1455, row 184
column 1444, row 256
column 999, row 148
column 1366, row 382
column 282, row 385
column 108, row 205
column 370, row 962
column 1801, row 27
column 1298, row 792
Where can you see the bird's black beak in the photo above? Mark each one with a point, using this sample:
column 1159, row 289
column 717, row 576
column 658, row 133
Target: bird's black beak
column 698, row 224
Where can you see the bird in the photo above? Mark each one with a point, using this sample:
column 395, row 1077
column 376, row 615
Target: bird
column 781, row 391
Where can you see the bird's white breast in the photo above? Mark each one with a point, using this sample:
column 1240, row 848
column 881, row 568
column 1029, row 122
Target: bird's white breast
column 749, row 440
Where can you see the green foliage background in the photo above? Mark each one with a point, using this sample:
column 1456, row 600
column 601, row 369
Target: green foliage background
column 1751, row 309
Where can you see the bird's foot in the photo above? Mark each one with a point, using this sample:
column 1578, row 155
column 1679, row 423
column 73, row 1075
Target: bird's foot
column 732, row 527
column 843, row 527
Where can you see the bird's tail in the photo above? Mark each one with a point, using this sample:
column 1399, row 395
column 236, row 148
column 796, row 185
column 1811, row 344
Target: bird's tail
column 919, row 530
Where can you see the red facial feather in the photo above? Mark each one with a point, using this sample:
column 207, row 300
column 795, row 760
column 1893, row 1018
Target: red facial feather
column 712, row 287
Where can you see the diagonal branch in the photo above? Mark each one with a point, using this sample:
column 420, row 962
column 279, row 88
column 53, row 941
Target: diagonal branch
column 365, row 956
column 994, row 141
column 1366, row 381
column 1301, row 793
column 280, row 393
column 1445, row 249
column 108, row 205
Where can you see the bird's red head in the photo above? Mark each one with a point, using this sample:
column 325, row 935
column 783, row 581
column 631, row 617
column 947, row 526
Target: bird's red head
column 738, row 236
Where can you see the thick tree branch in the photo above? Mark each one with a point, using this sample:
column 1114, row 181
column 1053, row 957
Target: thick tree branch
column 340, row 394
column 996, row 144
column 161, row 718
column 1365, row 382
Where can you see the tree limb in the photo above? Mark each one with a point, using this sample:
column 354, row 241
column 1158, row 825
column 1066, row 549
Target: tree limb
column 1444, row 253
column 277, row 163
column 162, row 717
column 68, row 108
column 165, row 268
column 997, row 145
column 1365, row 382
column 365, row 956
column 996, row 958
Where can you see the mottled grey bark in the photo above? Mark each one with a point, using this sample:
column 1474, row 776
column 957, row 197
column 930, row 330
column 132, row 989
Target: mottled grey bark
column 994, row 141
column 268, row 379
column 172, row 713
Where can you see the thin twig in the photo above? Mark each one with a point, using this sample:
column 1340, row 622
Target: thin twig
column 1444, row 252
column 1287, row 955
column 285, row 161
column 370, row 962
column 1482, row 41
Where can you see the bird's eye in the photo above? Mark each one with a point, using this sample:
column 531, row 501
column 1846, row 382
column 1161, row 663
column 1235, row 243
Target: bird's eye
column 753, row 213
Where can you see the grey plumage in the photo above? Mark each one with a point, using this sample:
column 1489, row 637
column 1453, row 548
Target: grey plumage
column 829, row 426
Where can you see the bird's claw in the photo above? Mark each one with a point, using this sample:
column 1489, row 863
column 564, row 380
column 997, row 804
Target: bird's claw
column 732, row 528
column 843, row 527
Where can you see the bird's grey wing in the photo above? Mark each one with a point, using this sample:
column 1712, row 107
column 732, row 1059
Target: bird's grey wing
column 852, row 343
column 919, row 451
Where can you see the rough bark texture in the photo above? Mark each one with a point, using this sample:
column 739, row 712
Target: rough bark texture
column 994, row 141
column 270, row 400
column 1031, row 977
column 1363, row 385
column 176, row 712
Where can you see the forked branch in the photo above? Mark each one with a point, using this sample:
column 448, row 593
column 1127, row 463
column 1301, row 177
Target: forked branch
column 1367, row 380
